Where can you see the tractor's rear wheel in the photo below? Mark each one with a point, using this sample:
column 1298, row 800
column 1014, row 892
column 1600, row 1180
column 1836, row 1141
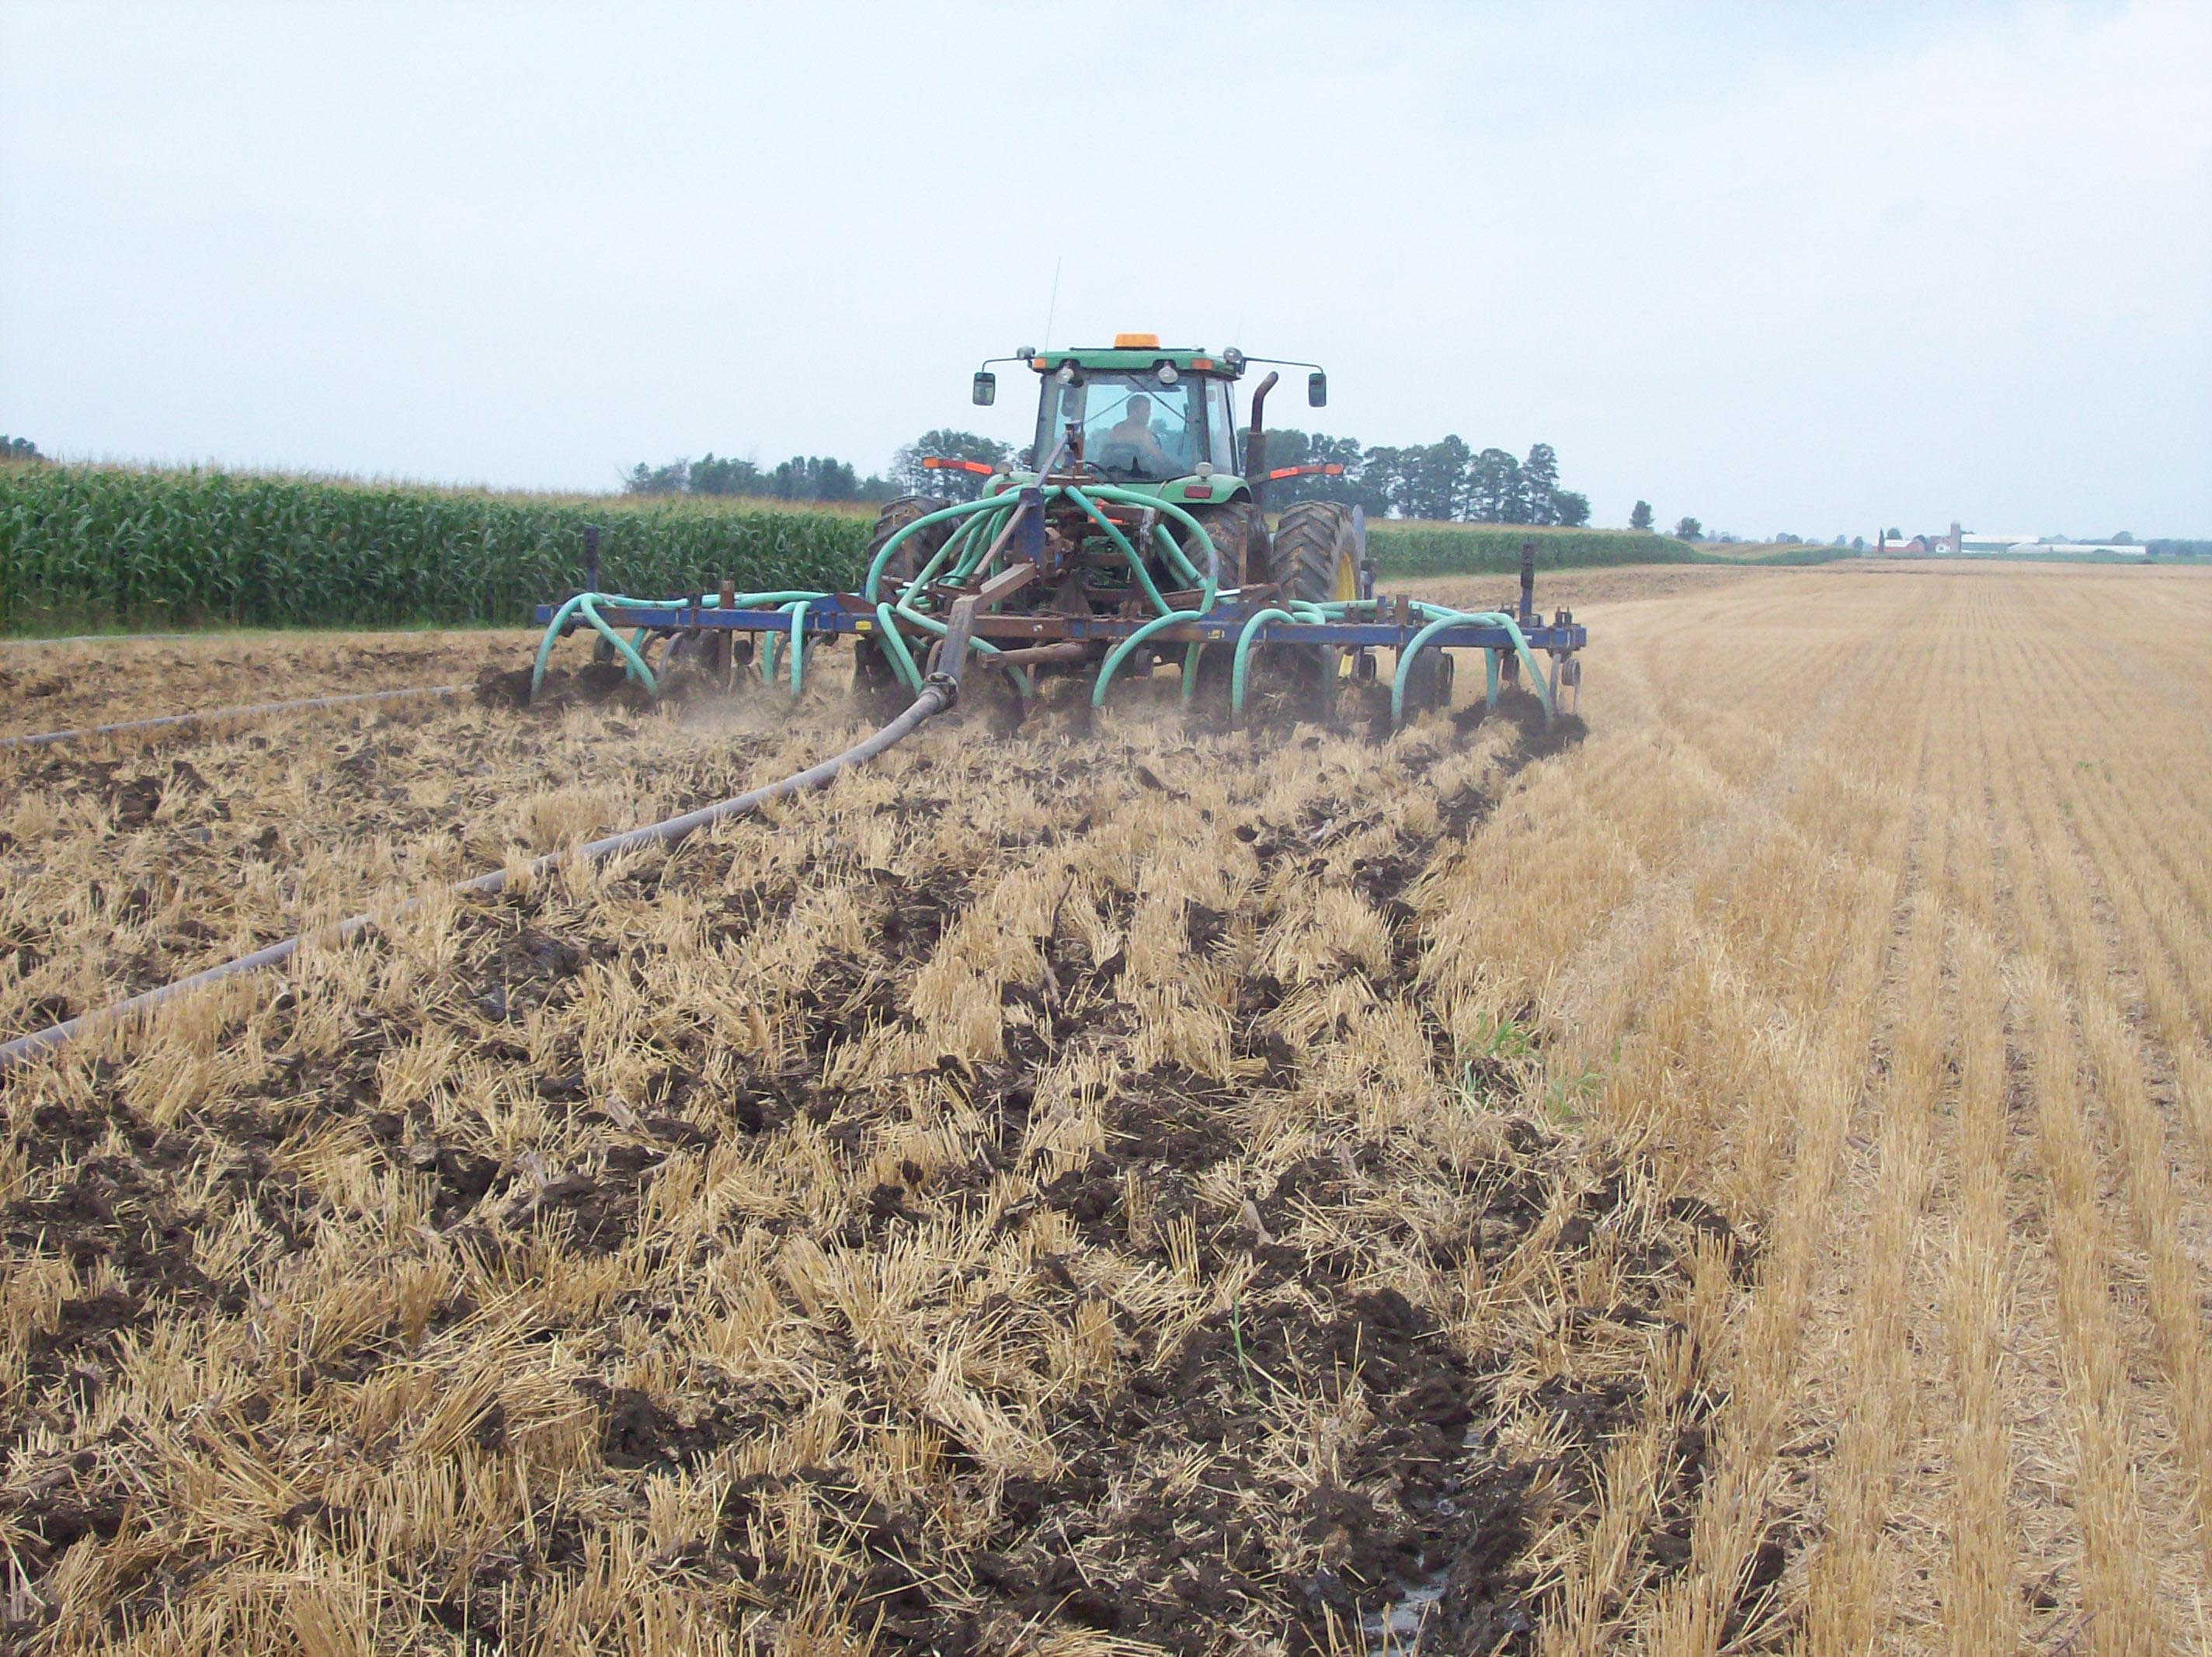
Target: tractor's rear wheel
column 1239, row 535
column 876, row 683
column 1316, row 555
column 1315, row 558
column 916, row 549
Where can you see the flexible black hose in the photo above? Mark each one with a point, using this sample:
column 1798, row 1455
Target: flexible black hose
column 98, row 639
column 206, row 714
column 936, row 696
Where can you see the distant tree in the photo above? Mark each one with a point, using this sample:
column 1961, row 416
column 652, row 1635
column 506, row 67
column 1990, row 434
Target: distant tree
column 1838, row 541
column 1540, row 482
column 802, row 477
column 710, row 476
column 1361, row 484
column 1783, row 538
column 18, row 449
column 1689, row 529
column 1640, row 516
column 1569, row 509
column 813, row 477
column 2122, row 538
column 1295, row 448
column 1287, row 446
column 1494, row 493
column 1892, row 535
column 672, row 479
column 1858, row 544
column 1436, row 478
column 912, row 478
column 1382, row 476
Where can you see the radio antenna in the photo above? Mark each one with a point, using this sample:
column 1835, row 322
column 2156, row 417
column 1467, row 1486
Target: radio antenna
column 1052, row 306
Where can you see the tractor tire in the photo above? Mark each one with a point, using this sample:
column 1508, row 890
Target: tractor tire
column 916, row 549
column 1315, row 557
column 1239, row 535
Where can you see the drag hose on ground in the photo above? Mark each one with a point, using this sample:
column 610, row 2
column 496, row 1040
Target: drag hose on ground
column 209, row 715
column 936, row 696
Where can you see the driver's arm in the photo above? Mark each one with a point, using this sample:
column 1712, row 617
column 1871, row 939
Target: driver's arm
column 1158, row 451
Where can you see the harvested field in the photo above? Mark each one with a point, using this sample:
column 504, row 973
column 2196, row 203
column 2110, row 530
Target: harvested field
column 64, row 686
column 1737, row 1180
column 1580, row 589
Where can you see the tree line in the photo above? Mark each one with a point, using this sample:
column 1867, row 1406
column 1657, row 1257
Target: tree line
column 1446, row 480
column 802, row 477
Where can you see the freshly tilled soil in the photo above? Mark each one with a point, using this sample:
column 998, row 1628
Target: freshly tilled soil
column 1027, row 1194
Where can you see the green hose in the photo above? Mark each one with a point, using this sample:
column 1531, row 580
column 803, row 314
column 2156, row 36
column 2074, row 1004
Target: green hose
column 562, row 616
column 635, row 663
column 932, row 624
column 769, row 644
column 1443, row 618
column 1122, row 544
column 1244, row 649
column 1120, row 653
column 545, row 645
column 973, row 540
column 894, row 647
column 1209, row 585
column 960, row 509
column 953, row 548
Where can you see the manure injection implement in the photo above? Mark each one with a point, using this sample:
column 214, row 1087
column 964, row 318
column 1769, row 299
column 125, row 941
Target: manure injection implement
column 1141, row 539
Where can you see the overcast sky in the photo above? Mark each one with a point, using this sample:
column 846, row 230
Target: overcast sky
column 1812, row 267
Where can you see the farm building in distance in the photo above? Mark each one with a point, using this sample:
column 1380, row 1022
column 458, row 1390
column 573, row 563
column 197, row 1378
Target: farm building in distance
column 1983, row 543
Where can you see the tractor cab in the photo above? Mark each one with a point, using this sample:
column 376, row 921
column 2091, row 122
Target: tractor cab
column 1141, row 415
column 1138, row 416
column 1151, row 423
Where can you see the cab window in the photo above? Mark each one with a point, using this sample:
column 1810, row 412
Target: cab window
column 1133, row 427
column 1221, row 427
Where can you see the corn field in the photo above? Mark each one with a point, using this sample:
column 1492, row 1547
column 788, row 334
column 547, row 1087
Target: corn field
column 89, row 546
column 94, row 546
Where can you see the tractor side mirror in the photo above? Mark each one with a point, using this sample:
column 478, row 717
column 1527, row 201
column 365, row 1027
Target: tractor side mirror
column 1317, row 389
column 986, row 388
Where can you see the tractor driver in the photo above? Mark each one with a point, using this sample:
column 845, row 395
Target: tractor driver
column 1132, row 442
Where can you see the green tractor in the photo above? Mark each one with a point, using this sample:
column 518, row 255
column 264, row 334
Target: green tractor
column 1132, row 535
column 1159, row 423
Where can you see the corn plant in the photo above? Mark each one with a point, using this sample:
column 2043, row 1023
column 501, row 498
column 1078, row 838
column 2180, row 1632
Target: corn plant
column 109, row 546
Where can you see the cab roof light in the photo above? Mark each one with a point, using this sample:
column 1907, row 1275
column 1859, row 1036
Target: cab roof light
column 1136, row 342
